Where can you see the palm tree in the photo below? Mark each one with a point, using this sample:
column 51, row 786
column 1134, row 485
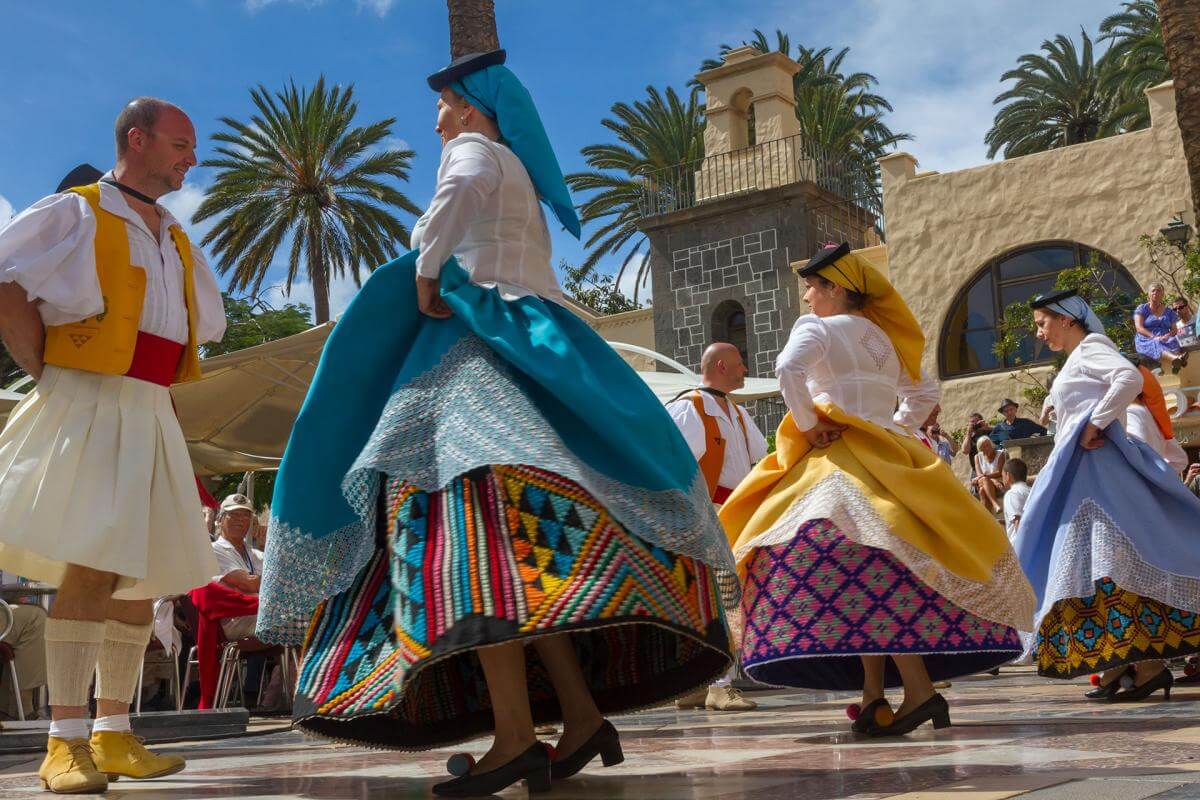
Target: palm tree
column 300, row 171
column 1141, row 61
column 654, row 134
column 472, row 26
column 1181, row 38
column 1059, row 99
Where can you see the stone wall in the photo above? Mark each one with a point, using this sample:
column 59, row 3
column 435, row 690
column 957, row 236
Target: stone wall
column 745, row 264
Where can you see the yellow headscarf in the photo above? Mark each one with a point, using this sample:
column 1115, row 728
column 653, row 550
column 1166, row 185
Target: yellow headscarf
column 885, row 307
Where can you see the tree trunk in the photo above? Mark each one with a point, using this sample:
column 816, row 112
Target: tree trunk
column 472, row 27
column 1180, row 20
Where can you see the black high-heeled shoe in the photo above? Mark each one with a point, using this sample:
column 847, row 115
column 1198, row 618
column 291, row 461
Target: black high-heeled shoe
column 605, row 742
column 1107, row 691
column 532, row 766
column 1163, row 680
column 935, row 709
column 868, row 716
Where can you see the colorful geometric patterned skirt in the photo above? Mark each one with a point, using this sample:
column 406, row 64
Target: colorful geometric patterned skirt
column 1111, row 628
column 813, row 605
column 503, row 553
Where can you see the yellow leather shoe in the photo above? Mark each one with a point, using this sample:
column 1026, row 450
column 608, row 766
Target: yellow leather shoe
column 122, row 755
column 69, row 768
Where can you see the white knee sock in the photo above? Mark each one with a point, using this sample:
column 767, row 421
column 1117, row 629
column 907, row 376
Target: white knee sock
column 118, row 723
column 120, row 660
column 71, row 649
column 69, row 728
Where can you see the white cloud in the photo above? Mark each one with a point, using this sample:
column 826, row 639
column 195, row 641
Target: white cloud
column 379, row 7
column 341, row 292
column 394, row 143
column 6, row 210
column 184, row 203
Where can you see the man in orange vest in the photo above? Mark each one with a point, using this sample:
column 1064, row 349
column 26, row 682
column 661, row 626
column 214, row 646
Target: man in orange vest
column 727, row 443
column 103, row 300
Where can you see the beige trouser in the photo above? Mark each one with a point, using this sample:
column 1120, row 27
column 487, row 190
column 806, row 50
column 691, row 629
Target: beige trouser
column 28, row 640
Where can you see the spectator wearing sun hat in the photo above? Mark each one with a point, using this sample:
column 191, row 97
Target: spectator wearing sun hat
column 1012, row 426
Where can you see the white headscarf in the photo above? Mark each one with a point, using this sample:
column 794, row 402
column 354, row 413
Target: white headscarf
column 1078, row 309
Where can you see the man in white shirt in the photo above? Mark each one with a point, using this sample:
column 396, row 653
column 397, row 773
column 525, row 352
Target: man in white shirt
column 1016, row 493
column 727, row 443
column 240, row 564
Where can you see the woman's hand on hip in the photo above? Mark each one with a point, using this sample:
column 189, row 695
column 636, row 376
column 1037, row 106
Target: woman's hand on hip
column 1092, row 437
column 429, row 300
column 823, row 433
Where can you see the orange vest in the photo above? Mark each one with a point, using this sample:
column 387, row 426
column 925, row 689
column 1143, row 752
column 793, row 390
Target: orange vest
column 105, row 343
column 713, row 460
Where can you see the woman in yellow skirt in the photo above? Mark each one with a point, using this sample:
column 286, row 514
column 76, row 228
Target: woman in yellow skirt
column 865, row 563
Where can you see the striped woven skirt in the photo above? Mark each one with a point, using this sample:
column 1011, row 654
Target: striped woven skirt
column 502, row 554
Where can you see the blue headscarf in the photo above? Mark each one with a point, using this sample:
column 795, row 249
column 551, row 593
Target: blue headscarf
column 498, row 93
column 1078, row 309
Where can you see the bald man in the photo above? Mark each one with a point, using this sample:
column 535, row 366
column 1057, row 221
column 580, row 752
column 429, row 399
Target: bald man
column 727, row 443
column 103, row 300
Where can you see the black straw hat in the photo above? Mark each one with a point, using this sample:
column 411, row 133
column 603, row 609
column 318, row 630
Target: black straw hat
column 823, row 258
column 83, row 175
column 464, row 66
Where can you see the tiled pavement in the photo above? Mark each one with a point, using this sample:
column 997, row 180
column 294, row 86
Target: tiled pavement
column 1013, row 736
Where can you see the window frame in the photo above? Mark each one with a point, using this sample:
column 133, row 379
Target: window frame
column 992, row 267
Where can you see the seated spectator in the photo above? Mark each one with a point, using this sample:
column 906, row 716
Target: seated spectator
column 1012, row 426
column 989, row 467
column 28, row 641
column 1186, row 326
column 1155, row 324
column 240, row 564
column 1016, row 492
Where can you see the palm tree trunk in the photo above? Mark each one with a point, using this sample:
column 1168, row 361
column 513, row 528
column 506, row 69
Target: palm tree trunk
column 472, row 27
column 1180, row 21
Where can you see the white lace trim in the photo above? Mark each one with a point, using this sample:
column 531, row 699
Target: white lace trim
column 1006, row 598
column 1095, row 547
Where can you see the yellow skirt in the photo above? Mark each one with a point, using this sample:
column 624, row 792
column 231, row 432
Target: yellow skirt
column 94, row 471
column 886, row 490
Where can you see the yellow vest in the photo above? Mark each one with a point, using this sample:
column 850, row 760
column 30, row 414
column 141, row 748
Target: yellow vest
column 105, row 343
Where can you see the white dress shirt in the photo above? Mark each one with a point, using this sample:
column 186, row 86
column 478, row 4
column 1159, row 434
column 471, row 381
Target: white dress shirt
column 49, row 250
column 1095, row 372
column 230, row 560
column 848, row 361
column 742, row 452
column 485, row 212
column 1141, row 425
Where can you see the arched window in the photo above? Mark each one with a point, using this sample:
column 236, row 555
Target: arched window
column 729, row 325
column 973, row 325
column 741, row 128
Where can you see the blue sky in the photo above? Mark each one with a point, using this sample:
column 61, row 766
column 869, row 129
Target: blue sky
column 69, row 66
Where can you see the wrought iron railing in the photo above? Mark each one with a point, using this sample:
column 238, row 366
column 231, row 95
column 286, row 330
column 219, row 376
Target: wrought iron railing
column 850, row 185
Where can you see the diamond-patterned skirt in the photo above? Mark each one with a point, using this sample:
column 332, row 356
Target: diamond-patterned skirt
column 813, row 605
column 503, row 554
column 1111, row 628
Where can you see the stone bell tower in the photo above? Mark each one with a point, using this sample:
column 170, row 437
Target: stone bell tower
column 724, row 229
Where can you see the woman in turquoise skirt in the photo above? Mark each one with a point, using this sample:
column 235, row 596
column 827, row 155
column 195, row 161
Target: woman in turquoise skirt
column 484, row 519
